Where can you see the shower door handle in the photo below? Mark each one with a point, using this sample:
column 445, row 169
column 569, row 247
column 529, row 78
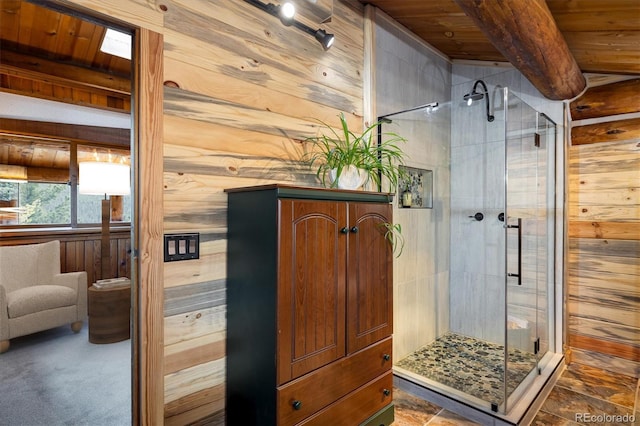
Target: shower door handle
column 519, row 274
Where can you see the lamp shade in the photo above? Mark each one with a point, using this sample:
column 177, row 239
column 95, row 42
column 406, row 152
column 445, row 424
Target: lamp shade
column 100, row 178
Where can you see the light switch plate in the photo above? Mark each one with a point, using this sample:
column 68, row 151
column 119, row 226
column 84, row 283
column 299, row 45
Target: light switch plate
column 181, row 247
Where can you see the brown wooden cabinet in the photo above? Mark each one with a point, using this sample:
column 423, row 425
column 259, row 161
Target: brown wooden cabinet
column 309, row 307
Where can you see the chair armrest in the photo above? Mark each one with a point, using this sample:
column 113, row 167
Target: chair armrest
column 78, row 282
column 4, row 315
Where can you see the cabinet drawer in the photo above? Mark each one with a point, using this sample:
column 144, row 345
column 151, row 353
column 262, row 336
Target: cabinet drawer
column 357, row 406
column 325, row 385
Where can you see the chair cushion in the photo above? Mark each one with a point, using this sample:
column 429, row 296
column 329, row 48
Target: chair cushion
column 38, row 298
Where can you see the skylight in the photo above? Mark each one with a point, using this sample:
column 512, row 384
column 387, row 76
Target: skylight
column 116, row 43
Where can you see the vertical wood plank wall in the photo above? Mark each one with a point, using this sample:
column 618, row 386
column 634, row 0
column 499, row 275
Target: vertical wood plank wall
column 604, row 241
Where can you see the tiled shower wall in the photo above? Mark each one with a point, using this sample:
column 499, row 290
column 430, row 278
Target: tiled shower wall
column 466, row 154
column 409, row 74
column 477, row 285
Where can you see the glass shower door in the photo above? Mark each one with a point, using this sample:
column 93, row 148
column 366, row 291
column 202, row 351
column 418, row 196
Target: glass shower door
column 526, row 231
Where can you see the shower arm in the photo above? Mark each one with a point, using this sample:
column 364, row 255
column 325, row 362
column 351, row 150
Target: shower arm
column 490, row 117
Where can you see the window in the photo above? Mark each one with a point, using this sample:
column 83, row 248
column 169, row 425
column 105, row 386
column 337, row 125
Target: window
column 89, row 206
column 35, row 203
column 50, row 195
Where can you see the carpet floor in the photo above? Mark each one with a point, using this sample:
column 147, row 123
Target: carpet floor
column 56, row 377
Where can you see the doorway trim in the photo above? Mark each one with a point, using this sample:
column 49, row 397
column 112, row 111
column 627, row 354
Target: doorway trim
column 148, row 295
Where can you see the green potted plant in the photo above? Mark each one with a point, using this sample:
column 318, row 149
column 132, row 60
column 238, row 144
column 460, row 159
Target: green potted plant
column 393, row 234
column 349, row 160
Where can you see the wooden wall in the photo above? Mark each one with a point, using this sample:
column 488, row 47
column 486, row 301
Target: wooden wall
column 604, row 229
column 241, row 91
column 80, row 250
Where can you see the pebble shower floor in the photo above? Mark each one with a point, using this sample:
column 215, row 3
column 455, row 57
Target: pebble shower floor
column 470, row 365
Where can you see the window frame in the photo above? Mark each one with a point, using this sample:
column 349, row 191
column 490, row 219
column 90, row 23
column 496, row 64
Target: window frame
column 115, row 138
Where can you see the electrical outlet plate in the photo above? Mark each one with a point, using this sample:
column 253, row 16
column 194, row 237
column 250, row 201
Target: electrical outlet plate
column 181, row 247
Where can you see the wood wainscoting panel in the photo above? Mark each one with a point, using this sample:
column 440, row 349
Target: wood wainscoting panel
column 80, row 250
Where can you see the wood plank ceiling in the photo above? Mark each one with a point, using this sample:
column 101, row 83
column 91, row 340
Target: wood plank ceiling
column 55, row 56
column 51, row 55
column 602, row 35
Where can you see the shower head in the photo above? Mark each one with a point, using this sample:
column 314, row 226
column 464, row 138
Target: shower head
column 473, row 96
column 476, row 96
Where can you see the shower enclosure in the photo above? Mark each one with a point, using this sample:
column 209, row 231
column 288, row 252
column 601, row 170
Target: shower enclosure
column 475, row 308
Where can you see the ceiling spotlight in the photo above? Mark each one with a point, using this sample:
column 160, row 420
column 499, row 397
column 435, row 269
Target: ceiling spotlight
column 326, row 40
column 286, row 12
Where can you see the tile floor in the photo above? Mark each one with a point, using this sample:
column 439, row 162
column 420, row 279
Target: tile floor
column 580, row 389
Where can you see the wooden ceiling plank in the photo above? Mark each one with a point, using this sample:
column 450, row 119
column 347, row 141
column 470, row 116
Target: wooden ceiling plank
column 10, row 18
column 586, row 15
column 526, row 34
column 605, row 40
column 46, row 24
column 622, row 97
column 67, row 37
column 81, row 52
column 27, row 12
column 70, row 74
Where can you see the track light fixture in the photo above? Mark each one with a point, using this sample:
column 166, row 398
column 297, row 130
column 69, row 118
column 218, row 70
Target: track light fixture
column 286, row 13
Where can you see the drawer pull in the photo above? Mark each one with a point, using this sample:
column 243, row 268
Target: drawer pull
column 386, row 357
column 386, row 392
column 297, row 405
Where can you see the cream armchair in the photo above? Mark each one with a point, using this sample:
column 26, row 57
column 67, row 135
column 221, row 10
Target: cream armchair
column 34, row 295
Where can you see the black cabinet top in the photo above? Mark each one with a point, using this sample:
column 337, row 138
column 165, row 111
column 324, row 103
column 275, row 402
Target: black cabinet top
column 300, row 192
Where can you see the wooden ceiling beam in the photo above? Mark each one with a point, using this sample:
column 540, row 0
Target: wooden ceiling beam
column 68, row 75
column 527, row 35
column 48, row 174
column 94, row 134
column 622, row 97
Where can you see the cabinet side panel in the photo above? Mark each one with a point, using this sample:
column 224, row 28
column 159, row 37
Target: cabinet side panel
column 251, row 308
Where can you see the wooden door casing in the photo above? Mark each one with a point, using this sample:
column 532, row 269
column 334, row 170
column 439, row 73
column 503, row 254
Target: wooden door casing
column 370, row 281
column 311, row 296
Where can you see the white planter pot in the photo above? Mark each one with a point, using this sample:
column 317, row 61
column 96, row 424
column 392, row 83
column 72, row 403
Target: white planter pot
column 350, row 178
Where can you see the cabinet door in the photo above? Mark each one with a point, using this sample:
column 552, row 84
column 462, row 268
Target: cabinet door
column 370, row 276
column 311, row 286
